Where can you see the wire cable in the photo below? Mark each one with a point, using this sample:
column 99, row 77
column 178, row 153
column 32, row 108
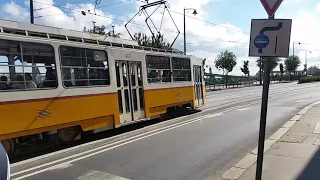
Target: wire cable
column 168, row 30
column 76, row 2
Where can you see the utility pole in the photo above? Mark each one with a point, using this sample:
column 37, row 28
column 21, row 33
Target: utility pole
column 31, row 12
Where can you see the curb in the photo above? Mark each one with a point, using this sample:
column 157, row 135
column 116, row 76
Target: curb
column 245, row 163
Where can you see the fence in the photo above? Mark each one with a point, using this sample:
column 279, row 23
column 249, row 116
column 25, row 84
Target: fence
column 218, row 81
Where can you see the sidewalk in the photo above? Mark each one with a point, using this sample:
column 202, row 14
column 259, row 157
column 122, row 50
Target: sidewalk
column 291, row 153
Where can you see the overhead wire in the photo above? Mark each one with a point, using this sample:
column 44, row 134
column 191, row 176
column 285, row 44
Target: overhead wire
column 214, row 24
column 60, row 6
column 168, row 30
column 76, row 2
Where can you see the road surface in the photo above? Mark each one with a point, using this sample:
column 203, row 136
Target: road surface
column 198, row 146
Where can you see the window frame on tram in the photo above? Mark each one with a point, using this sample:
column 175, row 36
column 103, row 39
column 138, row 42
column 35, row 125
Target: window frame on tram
column 171, row 69
column 183, row 65
column 86, row 66
column 31, row 57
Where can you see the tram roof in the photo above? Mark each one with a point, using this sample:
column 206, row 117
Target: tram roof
column 27, row 29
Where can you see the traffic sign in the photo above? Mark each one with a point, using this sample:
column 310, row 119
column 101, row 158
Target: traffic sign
column 261, row 41
column 270, row 37
column 271, row 6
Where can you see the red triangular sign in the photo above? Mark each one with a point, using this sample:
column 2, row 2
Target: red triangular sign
column 271, row 6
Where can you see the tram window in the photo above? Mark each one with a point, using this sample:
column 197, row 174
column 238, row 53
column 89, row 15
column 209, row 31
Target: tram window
column 158, row 68
column 27, row 65
column 118, row 74
column 133, row 75
column 139, row 74
column 120, row 101
column 135, row 100
column 126, row 95
column 124, row 73
column 141, row 98
column 84, row 67
column 181, row 69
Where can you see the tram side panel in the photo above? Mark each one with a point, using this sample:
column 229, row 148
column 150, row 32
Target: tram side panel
column 34, row 116
column 30, row 111
column 159, row 99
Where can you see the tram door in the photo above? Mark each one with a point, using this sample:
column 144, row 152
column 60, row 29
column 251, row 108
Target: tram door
column 130, row 91
column 197, row 80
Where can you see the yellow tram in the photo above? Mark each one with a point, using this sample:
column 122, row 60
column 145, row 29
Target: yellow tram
column 61, row 83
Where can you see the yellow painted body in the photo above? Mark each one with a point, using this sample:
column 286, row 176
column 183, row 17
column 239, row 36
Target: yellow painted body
column 90, row 112
column 157, row 101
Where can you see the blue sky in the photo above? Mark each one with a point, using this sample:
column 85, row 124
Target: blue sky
column 204, row 40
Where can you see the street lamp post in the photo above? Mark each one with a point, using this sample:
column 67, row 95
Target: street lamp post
column 184, row 27
column 306, row 60
column 293, row 46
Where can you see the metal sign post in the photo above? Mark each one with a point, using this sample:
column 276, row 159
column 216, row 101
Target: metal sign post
column 269, row 38
column 263, row 116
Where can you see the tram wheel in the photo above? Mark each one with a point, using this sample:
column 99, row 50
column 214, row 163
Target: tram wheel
column 67, row 135
column 9, row 146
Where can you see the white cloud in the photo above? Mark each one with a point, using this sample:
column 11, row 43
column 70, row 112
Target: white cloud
column 318, row 7
column 15, row 11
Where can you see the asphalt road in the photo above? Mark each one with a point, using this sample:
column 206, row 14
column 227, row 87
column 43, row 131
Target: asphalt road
column 198, row 146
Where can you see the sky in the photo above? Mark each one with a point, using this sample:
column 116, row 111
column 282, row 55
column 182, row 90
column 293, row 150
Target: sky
column 219, row 25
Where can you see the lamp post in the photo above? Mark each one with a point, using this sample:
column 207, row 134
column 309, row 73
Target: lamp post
column 184, row 26
column 293, row 46
column 306, row 60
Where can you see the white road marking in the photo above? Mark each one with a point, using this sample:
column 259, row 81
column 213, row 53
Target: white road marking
column 317, row 128
column 208, row 116
column 298, row 101
column 83, row 156
column 98, row 175
column 135, row 138
column 243, row 109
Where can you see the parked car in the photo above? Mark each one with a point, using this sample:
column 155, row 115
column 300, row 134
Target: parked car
column 4, row 164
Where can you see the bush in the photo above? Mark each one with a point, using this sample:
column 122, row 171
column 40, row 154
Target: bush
column 309, row 79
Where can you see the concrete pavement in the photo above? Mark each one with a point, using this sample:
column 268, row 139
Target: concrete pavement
column 198, row 146
column 295, row 154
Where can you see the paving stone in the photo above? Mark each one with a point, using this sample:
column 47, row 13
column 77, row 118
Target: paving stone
column 293, row 137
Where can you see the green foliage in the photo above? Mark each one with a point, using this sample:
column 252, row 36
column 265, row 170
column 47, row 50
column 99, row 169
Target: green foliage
column 203, row 64
column 226, row 61
column 157, row 42
column 101, row 30
column 273, row 63
column 314, row 70
column 245, row 68
column 98, row 30
column 309, row 79
column 281, row 68
column 292, row 63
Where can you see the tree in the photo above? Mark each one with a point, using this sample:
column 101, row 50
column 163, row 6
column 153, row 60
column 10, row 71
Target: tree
column 292, row 63
column 245, row 68
column 281, row 70
column 101, row 30
column 157, row 42
column 272, row 64
column 204, row 64
column 314, row 70
column 97, row 30
column 226, row 61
